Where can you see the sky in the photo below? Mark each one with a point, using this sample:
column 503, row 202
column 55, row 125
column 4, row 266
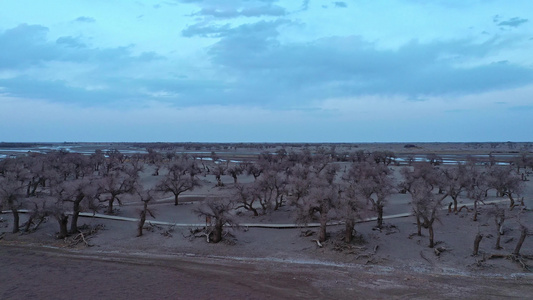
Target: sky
column 266, row 71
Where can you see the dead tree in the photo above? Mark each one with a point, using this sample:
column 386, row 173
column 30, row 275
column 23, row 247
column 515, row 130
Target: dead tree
column 477, row 188
column 245, row 197
column 424, row 184
column 477, row 241
column 145, row 196
column 13, row 178
column 505, row 182
column 178, row 180
column 499, row 218
column 523, row 235
column 235, row 171
column 351, row 207
column 12, row 197
column 117, row 182
column 219, row 211
column 455, row 181
column 322, row 197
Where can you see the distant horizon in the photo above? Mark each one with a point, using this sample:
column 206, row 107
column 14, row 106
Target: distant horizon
column 245, row 142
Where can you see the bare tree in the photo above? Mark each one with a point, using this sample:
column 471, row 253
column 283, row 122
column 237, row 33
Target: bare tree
column 219, row 170
column 245, row 197
column 372, row 181
column 323, row 196
column 235, row 171
column 117, row 182
column 12, row 188
column 254, row 169
column 499, row 218
column 273, row 186
column 146, row 196
column 178, row 179
column 505, row 182
column 422, row 183
column 83, row 195
column 219, row 211
column 12, row 197
column 351, row 207
column 477, row 189
column 523, row 234
column 455, row 182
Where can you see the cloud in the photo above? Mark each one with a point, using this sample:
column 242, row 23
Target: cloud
column 346, row 66
column 235, row 9
column 85, row 20
column 513, row 22
column 340, row 4
column 70, row 42
column 25, row 45
column 68, row 70
column 305, row 5
column 205, row 30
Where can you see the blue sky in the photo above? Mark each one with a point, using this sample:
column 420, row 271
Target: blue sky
column 266, row 70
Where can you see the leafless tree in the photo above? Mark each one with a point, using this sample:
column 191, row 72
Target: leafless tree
column 12, row 188
column 84, row 193
column 372, row 181
column 219, row 212
column 234, row 171
column 97, row 159
column 505, row 182
column 118, row 182
column 146, row 196
column 422, row 183
column 477, row 189
column 178, row 179
column 455, row 182
column 12, row 197
column 351, row 207
column 272, row 188
column 499, row 217
column 219, row 170
column 322, row 197
column 384, row 157
column 245, row 197
column 255, row 170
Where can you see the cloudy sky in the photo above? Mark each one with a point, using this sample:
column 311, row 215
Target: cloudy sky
column 266, row 70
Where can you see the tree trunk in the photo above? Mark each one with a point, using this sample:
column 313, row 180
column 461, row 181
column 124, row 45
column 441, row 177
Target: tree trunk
column 477, row 240
column 63, row 222
column 110, row 206
column 176, row 199
column 16, row 220
column 254, row 211
column 431, row 235
column 28, row 224
column 498, row 241
column 348, row 233
column 511, row 205
column 475, row 211
column 520, row 241
column 322, row 230
column 217, row 233
column 141, row 223
column 380, row 215
column 75, row 215
column 454, row 203
column 418, row 225
column 74, row 222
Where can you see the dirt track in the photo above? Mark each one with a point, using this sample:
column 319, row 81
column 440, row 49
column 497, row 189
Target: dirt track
column 41, row 273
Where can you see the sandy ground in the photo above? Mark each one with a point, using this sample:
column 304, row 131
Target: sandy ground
column 259, row 263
